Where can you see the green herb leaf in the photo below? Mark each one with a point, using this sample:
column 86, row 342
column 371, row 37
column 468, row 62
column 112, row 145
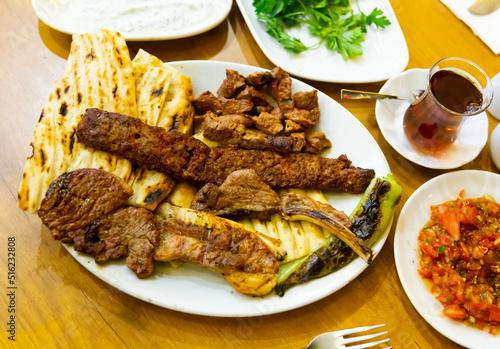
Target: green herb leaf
column 331, row 21
column 441, row 249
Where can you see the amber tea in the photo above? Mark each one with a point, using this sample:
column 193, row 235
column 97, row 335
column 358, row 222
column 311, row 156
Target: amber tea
column 433, row 122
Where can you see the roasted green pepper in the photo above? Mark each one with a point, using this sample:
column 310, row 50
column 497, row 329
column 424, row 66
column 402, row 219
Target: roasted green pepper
column 370, row 219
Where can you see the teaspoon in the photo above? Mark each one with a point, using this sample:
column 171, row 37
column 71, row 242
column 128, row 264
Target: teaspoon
column 353, row 94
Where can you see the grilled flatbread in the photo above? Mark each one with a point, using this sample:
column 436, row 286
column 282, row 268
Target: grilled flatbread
column 99, row 73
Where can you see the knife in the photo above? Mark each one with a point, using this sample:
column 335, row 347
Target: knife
column 484, row 7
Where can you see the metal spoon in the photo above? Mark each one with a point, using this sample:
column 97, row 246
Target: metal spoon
column 353, row 94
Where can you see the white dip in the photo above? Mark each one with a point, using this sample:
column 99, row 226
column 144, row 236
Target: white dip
column 139, row 16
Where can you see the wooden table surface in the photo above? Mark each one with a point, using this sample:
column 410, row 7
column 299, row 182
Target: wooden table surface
column 61, row 305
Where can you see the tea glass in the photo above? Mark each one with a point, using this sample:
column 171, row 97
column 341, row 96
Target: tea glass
column 432, row 123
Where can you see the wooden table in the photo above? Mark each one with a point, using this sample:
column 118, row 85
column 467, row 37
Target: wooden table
column 61, row 305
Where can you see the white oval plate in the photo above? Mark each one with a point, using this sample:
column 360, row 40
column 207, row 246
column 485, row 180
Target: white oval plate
column 194, row 290
column 414, row 215
column 384, row 50
column 389, row 113
column 73, row 17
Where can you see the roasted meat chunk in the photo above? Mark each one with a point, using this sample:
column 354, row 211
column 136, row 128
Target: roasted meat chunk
column 259, row 79
column 76, row 199
column 242, row 193
column 236, row 106
column 292, row 126
column 231, row 85
column 257, row 97
column 207, row 102
column 316, row 142
column 224, row 131
column 280, row 86
column 268, row 123
column 186, row 158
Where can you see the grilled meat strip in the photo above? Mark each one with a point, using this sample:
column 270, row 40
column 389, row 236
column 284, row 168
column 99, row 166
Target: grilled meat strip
column 87, row 207
column 185, row 158
column 212, row 242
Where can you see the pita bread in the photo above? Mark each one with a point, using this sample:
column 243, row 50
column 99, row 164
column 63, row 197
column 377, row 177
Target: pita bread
column 99, row 73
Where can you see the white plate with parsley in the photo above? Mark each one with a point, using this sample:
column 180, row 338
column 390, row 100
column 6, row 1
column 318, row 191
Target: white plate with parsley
column 383, row 50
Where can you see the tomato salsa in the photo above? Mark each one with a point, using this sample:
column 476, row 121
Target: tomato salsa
column 460, row 256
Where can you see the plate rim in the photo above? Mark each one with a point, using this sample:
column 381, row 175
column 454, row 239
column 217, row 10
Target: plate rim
column 402, row 257
column 266, row 307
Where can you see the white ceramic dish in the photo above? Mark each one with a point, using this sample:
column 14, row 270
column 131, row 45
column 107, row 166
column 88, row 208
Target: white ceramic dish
column 390, row 113
column 414, row 215
column 194, row 290
column 185, row 17
column 384, row 50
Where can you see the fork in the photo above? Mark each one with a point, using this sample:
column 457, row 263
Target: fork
column 336, row 340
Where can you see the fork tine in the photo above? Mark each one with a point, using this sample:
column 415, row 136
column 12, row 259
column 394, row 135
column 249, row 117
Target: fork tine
column 360, row 338
column 356, row 330
column 367, row 345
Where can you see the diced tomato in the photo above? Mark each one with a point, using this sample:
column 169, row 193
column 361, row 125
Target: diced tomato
column 429, row 250
column 455, row 312
column 461, row 194
column 451, row 223
column 478, row 252
column 459, row 255
column 494, row 312
column 468, row 214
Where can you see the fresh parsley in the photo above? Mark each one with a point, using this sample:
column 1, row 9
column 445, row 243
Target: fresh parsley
column 332, row 21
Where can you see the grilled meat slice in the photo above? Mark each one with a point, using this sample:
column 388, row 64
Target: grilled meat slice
column 218, row 244
column 291, row 170
column 87, row 207
column 241, row 193
column 76, row 199
column 128, row 231
column 186, row 158
column 165, row 151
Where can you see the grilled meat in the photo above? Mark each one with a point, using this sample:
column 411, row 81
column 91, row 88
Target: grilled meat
column 207, row 102
column 76, row 199
column 242, row 193
column 218, row 244
column 186, row 158
column 129, row 232
column 87, row 207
